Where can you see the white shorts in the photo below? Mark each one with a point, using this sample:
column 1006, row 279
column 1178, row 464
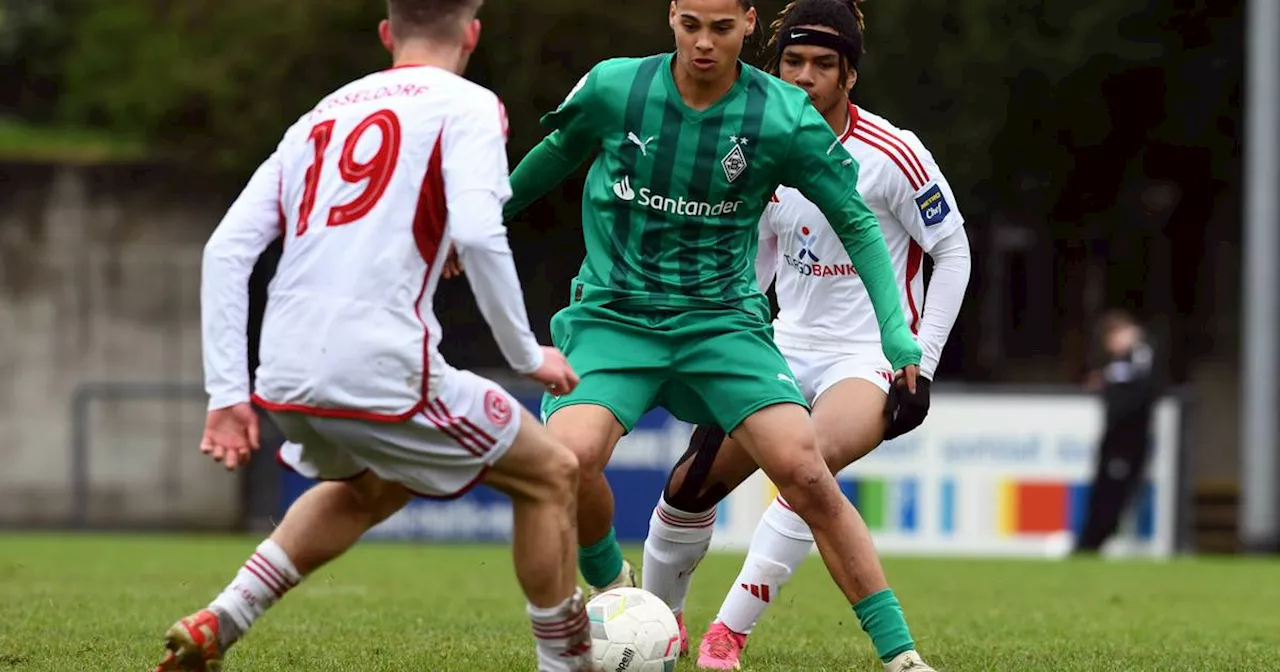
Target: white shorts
column 440, row 453
column 817, row 371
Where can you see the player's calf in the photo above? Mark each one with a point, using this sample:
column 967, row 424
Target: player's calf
column 541, row 476
column 792, row 461
column 591, row 432
column 322, row 524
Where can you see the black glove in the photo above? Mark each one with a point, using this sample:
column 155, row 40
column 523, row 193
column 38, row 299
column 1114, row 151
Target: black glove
column 903, row 410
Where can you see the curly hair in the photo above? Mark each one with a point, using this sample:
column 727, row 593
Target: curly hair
column 843, row 16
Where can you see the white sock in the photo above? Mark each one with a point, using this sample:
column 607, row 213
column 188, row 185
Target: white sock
column 780, row 544
column 563, row 635
column 677, row 542
column 265, row 577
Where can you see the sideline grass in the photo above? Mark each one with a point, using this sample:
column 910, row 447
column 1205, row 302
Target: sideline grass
column 102, row 602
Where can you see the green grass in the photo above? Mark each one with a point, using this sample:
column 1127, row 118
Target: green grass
column 20, row 141
column 102, row 603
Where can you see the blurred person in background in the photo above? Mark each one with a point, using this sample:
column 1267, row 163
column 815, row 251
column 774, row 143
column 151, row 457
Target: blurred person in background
column 1129, row 391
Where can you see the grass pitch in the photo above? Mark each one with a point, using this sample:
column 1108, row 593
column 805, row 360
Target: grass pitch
column 102, row 603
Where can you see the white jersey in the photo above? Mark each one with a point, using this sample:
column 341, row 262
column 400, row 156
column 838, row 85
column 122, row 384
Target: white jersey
column 822, row 301
column 369, row 190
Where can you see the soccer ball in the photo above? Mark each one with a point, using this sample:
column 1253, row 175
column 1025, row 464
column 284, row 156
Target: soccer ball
column 633, row 630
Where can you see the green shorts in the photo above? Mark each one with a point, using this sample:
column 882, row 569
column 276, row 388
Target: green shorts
column 704, row 366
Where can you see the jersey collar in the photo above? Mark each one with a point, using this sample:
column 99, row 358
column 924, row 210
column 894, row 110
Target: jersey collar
column 853, row 121
column 673, row 91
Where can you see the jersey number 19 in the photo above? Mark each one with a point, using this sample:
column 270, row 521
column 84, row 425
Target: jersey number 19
column 377, row 170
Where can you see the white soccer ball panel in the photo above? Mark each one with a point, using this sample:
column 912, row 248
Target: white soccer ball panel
column 633, row 631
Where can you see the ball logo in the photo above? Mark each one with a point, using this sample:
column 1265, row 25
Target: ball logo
column 497, row 408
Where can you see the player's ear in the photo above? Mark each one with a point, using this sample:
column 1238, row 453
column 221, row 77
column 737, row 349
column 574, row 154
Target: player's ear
column 384, row 34
column 671, row 15
column 472, row 37
column 851, row 80
column 751, row 21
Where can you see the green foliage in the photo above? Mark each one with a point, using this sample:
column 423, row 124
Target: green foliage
column 215, row 82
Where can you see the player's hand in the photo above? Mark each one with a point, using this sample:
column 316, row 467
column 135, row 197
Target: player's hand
column 452, row 265
column 230, row 434
column 555, row 374
column 906, row 409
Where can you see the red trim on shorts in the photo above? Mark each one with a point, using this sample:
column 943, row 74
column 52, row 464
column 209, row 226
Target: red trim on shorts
column 280, row 461
column 783, row 503
column 429, row 222
column 915, row 259
column 462, row 431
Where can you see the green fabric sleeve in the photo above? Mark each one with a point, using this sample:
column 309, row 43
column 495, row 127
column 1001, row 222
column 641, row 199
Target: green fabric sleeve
column 574, row 136
column 545, row 166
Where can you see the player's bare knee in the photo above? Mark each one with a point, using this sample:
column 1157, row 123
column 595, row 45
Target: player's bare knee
column 553, row 478
column 808, row 487
column 377, row 497
column 589, row 454
column 562, row 469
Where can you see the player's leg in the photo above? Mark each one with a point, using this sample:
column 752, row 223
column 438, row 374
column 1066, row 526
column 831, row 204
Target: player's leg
column 620, row 363
column 322, row 524
column 848, row 423
column 591, row 432
column 747, row 383
column 680, row 528
column 540, row 475
column 782, row 443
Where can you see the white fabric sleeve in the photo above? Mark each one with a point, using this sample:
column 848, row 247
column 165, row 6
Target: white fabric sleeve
column 767, row 252
column 943, row 297
column 921, row 198
column 477, row 185
column 250, row 225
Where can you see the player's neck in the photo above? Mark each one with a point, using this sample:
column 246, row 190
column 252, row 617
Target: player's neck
column 838, row 117
column 443, row 56
column 701, row 95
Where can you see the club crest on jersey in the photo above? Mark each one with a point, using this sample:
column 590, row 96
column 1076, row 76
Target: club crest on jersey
column 735, row 162
column 933, row 205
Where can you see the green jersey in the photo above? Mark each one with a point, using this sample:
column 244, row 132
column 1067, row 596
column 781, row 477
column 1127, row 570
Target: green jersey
column 673, row 200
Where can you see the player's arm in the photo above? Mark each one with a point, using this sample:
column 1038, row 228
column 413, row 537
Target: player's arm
column 572, row 140
column 475, row 177
column 923, row 202
column 826, row 174
column 250, row 225
column 767, row 251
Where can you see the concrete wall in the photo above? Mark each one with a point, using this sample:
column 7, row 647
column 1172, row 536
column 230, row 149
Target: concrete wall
column 99, row 281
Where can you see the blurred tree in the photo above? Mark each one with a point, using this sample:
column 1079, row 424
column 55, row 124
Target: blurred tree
column 33, row 42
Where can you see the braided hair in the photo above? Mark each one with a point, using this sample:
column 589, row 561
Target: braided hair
column 843, row 16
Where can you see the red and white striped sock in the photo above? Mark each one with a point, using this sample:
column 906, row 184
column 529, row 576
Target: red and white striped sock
column 677, row 542
column 265, row 577
column 563, row 635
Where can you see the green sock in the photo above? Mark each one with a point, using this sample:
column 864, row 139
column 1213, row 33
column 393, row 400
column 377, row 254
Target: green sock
column 601, row 562
column 881, row 617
